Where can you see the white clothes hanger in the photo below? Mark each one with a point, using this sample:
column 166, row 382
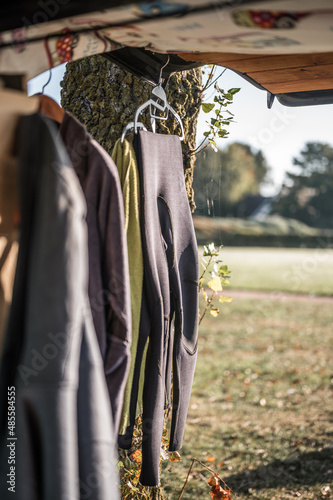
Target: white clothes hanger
column 158, row 101
column 129, row 127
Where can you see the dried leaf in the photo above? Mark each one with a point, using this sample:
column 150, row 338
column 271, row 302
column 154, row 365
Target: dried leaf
column 174, row 456
column 220, row 493
column 326, row 492
column 136, row 456
column 210, row 459
column 214, row 313
column 214, row 480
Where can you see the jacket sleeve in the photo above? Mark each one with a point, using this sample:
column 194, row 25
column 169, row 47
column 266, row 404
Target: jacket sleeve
column 116, row 286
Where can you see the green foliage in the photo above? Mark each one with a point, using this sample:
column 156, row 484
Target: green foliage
column 224, row 178
column 219, row 275
column 220, row 119
column 308, row 195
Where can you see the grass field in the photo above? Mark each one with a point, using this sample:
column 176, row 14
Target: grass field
column 289, row 270
column 261, row 410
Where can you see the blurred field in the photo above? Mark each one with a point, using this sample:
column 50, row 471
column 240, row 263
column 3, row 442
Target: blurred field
column 273, row 231
column 261, row 411
column 296, row 270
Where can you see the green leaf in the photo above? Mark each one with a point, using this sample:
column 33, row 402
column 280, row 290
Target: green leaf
column 215, row 284
column 207, row 107
column 225, row 299
column 206, row 134
column 233, row 91
column 225, row 282
column 224, row 270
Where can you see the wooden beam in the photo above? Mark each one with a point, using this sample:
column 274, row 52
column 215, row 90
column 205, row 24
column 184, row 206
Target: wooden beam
column 278, row 73
column 299, row 86
column 246, row 62
column 293, row 74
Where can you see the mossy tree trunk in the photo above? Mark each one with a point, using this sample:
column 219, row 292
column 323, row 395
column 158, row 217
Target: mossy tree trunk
column 104, row 98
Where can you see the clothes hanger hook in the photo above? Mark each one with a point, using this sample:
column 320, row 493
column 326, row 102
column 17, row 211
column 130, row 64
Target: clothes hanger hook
column 48, row 81
column 162, row 68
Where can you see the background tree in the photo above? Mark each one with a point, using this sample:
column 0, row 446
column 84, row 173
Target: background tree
column 224, row 178
column 308, row 194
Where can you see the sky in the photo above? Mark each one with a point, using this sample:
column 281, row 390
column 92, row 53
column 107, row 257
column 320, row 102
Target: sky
column 280, row 132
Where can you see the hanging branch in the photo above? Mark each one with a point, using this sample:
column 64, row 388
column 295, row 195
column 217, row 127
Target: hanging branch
column 212, row 83
column 219, row 276
column 217, row 123
column 210, row 76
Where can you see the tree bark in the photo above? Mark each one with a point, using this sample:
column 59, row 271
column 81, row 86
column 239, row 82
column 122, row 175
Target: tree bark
column 104, row 98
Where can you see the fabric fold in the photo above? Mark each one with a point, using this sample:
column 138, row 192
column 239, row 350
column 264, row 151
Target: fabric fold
column 124, row 157
column 108, row 284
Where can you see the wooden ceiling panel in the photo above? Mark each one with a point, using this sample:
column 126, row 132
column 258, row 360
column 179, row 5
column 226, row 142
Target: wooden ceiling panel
column 299, row 86
column 293, row 74
column 279, row 74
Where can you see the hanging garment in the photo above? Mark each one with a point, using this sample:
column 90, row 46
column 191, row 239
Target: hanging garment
column 109, row 289
column 8, row 260
column 124, row 157
column 65, row 447
column 13, row 104
column 170, row 293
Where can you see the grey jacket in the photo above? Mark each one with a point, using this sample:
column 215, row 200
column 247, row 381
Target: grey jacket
column 108, row 283
column 64, row 448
